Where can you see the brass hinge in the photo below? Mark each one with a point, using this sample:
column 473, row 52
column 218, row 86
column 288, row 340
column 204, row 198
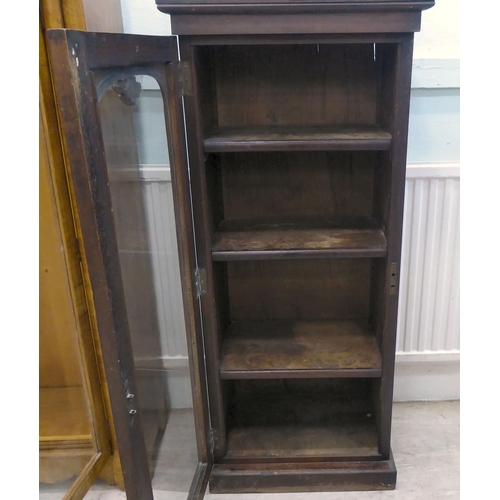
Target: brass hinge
column 393, row 280
column 185, row 79
column 200, row 276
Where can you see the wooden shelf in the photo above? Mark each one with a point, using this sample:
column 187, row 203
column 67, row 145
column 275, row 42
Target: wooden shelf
column 298, row 138
column 294, row 238
column 300, row 349
column 64, row 420
column 291, row 426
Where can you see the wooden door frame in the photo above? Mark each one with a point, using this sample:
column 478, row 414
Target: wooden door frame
column 74, row 56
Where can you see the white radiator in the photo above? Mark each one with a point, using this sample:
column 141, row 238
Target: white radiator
column 428, row 339
column 429, row 292
column 165, row 261
column 163, row 244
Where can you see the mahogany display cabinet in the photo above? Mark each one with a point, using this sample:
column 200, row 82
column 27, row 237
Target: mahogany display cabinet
column 287, row 136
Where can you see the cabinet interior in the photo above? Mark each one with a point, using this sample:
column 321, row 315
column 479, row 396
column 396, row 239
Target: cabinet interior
column 297, row 176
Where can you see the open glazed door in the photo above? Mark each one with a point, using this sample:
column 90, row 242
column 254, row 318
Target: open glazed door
column 120, row 110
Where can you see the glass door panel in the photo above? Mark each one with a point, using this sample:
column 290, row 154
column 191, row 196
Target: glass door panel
column 138, row 168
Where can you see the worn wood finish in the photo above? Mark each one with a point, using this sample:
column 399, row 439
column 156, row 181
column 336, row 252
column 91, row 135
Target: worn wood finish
column 297, row 138
column 257, row 24
column 263, row 86
column 297, row 238
column 286, row 349
column 285, row 420
column 394, row 164
column 183, row 212
column 301, row 184
column 304, row 477
column 295, row 39
column 320, row 289
column 213, row 305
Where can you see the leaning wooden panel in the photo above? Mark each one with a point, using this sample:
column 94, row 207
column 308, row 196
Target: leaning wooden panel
column 60, row 14
column 66, row 450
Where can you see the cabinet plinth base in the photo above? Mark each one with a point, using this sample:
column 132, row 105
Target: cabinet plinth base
column 305, row 477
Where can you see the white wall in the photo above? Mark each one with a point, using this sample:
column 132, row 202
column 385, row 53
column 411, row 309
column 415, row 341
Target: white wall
column 143, row 18
column 439, row 37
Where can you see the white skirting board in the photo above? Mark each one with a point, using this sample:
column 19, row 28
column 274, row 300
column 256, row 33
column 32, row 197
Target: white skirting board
column 427, row 377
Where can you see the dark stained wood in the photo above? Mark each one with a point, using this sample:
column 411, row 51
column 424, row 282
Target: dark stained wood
column 304, row 477
column 320, row 289
column 214, row 302
column 75, row 56
column 333, row 5
column 298, row 138
column 394, row 164
column 297, row 238
column 200, row 480
column 286, row 349
column 295, row 85
column 299, row 419
column 183, row 213
column 299, row 184
column 295, row 39
column 256, row 24
column 343, row 436
column 284, row 94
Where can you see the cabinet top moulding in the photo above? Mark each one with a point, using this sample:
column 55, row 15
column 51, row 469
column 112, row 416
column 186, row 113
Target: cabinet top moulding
column 241, row 17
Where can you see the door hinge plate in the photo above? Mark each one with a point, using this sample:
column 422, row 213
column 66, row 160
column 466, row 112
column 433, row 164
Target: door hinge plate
column 201, row 282
column 185, row 79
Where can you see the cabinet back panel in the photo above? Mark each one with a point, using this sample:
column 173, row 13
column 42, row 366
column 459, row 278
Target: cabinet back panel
column 311, row 84
column 289, row 420
column 282, row 184
column 299, row 289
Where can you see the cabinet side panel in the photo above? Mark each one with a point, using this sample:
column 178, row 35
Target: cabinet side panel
column 395, row 84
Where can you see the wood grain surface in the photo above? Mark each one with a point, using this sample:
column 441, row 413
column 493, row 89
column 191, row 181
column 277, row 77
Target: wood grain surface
column 296, row 238
column 300, row 138
column 299, row 349
column 294, row 419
